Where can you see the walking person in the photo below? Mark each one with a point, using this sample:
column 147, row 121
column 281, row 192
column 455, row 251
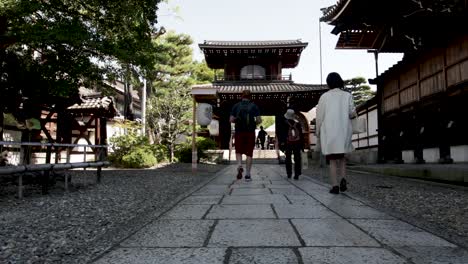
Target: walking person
column 262, row 136
column 292, row 141
column 334, row 113
column 245, row 115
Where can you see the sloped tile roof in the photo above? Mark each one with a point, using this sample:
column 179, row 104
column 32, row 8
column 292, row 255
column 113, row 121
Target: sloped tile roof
column 255, row 43
column 94, row 103
column 280, row 87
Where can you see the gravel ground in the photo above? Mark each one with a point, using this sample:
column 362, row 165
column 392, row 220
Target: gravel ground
column 439, row 208
column 76, row 227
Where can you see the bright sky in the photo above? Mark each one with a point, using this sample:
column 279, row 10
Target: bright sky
column 273, row 20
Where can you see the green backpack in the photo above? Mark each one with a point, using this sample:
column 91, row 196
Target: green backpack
column 244, row 119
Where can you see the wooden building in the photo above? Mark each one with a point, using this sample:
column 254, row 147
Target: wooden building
column 256, row 66
column 422, row 100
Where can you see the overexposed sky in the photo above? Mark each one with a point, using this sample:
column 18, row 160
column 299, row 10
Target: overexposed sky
column 273, row 20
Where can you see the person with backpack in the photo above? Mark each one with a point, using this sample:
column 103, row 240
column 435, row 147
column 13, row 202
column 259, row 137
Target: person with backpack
column 245, row 115
column 292, row 143
column 334, row 113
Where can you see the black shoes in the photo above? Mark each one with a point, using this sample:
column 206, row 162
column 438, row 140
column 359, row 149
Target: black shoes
column 239, row 173
column 342, row 188
column 296, row 177
column 289, row 176
column 335, row 190
column 343, row 184
column 248, row 178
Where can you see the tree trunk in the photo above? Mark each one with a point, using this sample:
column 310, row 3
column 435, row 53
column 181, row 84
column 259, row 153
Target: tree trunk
column 171, row 153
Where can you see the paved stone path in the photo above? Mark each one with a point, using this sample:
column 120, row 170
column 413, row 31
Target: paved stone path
column 273, row 220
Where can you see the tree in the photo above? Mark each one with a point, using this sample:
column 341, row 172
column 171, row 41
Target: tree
column 359, row 89
column 51, row 48
column 267, row 121
column 170, row 102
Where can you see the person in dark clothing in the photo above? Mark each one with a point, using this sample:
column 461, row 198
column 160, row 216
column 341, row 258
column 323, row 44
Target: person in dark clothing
column 292, row 143
column 246, row 116
column 262, row 136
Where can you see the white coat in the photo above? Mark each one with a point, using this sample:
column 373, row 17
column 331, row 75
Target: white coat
column 334, row 112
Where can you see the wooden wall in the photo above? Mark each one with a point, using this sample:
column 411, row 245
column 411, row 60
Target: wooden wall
column 432, row 72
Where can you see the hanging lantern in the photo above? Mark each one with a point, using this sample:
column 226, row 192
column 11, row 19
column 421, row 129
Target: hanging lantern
column 214, row 127
column 204, row 114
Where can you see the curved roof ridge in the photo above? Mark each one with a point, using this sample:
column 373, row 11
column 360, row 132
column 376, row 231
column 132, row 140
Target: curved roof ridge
column 253, row 42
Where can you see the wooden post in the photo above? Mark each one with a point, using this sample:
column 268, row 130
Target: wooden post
column 20, row 186
column 98, row 141
column 45, row 182
column 194, row 132
column 68, row 161
column 84, row 155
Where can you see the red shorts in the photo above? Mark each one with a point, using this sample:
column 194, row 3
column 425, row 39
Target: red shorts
column 244, row 143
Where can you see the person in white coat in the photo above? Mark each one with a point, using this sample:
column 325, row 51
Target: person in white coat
column 334, row 113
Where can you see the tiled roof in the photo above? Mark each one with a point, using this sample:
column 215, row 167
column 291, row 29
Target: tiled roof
column 94, row 103
column 268, row 87
column 330, row 12
column 296, row 42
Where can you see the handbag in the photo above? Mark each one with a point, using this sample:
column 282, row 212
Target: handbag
column 359, row 125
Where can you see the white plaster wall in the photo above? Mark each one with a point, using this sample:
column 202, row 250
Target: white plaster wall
column 408, row 156
column 372, row 122
column 431, row 155
column 459, row 153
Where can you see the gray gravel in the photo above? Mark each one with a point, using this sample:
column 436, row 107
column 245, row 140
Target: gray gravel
column 439, row 208
column 78, row 226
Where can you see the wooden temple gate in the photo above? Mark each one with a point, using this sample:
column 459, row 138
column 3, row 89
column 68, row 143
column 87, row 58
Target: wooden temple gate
column 255, row 66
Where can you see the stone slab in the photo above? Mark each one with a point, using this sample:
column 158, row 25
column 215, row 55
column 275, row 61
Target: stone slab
column 245, row 186
column 290, row 211
column 239, row 211
column 332, row 232
column 224, row 180
column 253, row 233
column 263, row 256
column 301, row 199
column 250, row 191
column 209, row 199
column 164, row 255
column 213, row 190
column 434, row 255
column 256, row 199
column 171, row 233
column 280, row 182
column 332, row 199
column 278, row 186
column 349, row 255
column 312, row 187
column 293, row 190
column 187, row 211
column 254, row 181
column 397, row 233
column 358, row 212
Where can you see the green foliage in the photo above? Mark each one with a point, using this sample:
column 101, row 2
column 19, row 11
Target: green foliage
column 267, row 121
column 359, row 89
column 139, row 157
column 170, row 103
column 51, row 48
column 201, row 73
column 134, row 151
column 183, row 152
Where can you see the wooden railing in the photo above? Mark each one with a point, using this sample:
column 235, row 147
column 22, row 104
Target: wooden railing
column 25, row 152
